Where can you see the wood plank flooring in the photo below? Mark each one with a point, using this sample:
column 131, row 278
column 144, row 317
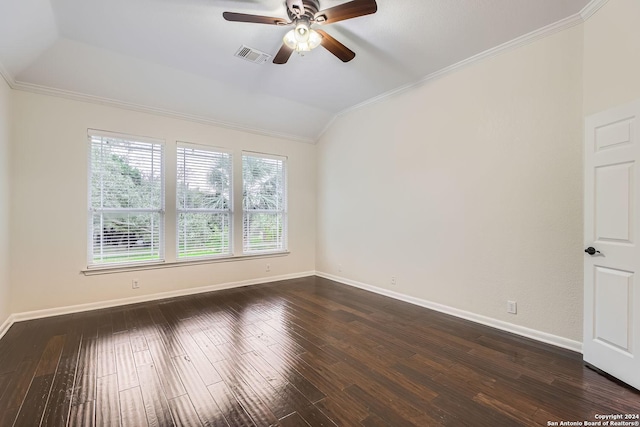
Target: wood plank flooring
column 306, row 352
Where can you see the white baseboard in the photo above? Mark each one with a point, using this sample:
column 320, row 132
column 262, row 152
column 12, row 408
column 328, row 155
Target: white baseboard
column 6, row 325
column 39, row 314
column 484, row 320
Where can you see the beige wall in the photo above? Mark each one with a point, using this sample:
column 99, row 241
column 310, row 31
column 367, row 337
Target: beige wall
column 49, row 204
column 5, row 134
column 468, row 189
column 612, row 56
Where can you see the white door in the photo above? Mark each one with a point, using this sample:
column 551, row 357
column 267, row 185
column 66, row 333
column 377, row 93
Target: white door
column 611, row 226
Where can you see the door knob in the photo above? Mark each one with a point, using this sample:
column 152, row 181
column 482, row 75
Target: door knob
column 591, row 251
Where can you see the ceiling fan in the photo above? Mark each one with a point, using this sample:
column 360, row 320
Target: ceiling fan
column 304, row 14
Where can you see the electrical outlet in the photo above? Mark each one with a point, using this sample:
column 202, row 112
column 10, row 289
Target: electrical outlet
column 339, row 268
column 512, row 307
column 268, row 267
column 135, row 284
column 393, row 281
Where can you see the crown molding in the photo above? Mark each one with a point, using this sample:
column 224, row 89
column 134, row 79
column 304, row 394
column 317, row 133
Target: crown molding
column 591, row 8
column 7, row 77
column 326, row 127
column 77, row 96
column 518, row 42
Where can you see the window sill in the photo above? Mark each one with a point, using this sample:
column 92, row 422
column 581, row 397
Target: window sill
column 94, row 271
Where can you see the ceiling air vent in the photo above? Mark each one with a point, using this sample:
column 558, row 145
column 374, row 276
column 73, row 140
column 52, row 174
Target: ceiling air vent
column 252, row 55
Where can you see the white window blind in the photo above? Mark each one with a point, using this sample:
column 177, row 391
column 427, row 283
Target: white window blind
column 126, row 199
column 204, row 202
column 264, row 203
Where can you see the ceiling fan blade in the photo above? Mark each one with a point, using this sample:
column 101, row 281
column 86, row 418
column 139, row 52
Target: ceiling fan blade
column 334, row 46
column 254, row 19
column 283, row 55
column 349, row 10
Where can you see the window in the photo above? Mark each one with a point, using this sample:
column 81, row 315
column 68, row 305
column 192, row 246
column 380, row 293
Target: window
column 126, row 199
column 264, row 215
column 126, row 221
column 203, row 202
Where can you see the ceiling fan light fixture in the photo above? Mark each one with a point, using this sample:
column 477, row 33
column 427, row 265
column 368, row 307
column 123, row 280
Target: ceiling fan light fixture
column 305, row 14
column 302, row 33
column 302, row 38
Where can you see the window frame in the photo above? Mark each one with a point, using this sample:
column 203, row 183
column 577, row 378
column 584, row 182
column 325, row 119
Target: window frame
column 285, row 203
column 91, row 211
column 168, row 169
column 229, row 211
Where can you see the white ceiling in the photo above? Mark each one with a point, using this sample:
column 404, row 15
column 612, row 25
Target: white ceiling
column 177, row 55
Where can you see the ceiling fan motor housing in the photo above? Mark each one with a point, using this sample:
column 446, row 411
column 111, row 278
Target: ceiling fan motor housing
column 311, row 8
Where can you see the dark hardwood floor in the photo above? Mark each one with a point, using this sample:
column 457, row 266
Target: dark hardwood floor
column 295, row 353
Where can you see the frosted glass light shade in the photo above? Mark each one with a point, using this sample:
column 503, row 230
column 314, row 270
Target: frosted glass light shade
column 314, row 39
column 302, row 39
column 301, row 33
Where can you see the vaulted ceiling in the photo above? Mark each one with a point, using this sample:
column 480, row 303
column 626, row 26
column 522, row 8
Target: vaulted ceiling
column 178, row 55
